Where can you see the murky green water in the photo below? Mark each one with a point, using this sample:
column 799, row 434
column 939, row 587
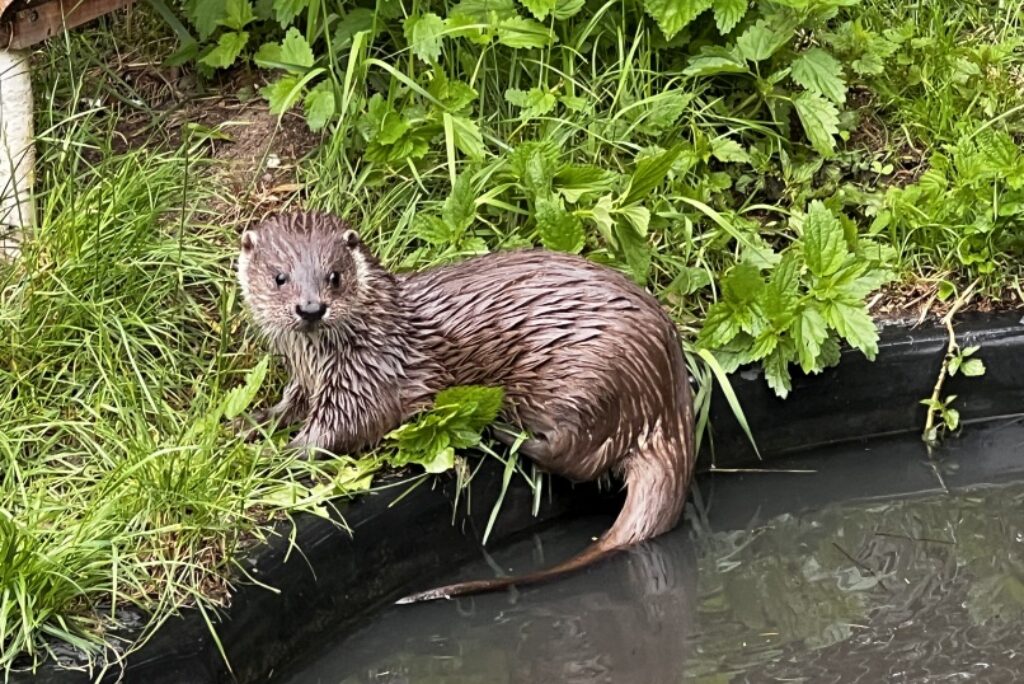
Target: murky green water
column 881, row 565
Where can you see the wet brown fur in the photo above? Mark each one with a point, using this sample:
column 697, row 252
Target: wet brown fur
column 591, row 366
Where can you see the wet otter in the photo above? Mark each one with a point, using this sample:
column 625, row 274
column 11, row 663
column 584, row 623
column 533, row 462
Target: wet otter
column 591, row 366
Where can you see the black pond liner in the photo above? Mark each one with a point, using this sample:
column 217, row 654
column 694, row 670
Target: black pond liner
column 338, row 580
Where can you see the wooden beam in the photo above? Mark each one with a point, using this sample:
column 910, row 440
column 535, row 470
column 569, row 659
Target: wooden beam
column 24, row 23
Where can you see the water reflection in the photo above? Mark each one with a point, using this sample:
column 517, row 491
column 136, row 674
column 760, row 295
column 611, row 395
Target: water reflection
column 921, row 588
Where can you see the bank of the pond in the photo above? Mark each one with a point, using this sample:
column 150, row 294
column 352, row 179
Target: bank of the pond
column 321, row 578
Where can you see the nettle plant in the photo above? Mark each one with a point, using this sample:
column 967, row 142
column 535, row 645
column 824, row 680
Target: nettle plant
column 796, row 307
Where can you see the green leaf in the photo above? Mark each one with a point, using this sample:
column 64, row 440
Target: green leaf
column 239, row 398
column 664, row 110
column 728, row 150
column 650, row 173
column 286, row 10
column 720, row 326
column 443, row 460
column 280, row 95
column 689, row 280
column 853, row 323
column 672, row 16
column 728, row 13
column 459, row 209
column 823, row 240
column 776, row 372
column 229, row 46
column 534, row 165
column 424, row 33
column 295, row 50
column 566, row 9
column 742, row 284
column 636, row 251
column 601, row 215
column 477, row 404
column 638, row 216
column 467, row 136
column 539, row 8
column 820, row 120
column 433, row 230
column 760, row 41
column 533, row 102
column 973, row 368
column 350, row 23
column 715, row 60
column 454, row 95
column 576, row 181
column 206, row 16
column 782, row 294
column 821, row 73
column 809, row 333
column 319, row 105
column 519, row 33
column 237, row 13
column 559, row 230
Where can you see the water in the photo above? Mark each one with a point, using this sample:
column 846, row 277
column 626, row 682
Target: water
column 865, row 570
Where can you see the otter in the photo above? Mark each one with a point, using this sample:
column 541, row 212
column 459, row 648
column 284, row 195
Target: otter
column 591, row 366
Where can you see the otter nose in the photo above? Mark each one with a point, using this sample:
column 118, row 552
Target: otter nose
column 310, row 310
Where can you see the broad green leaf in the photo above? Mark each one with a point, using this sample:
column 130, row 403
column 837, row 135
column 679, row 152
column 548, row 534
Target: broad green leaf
column 634, row 248
column 519, row 33
column 424, row 33
column 539, row 8
column 239, row 398
column 764, row 344
column 433, row 230
column 296, row 50
column 533, row 102
column 350, row 23
column 662, row 111
column 776, row 372
column 650, row 173
column 575, row 181
column 281, row 94
column 672, row 16
column 566, row 9
column 689, row 280
column 206, row 16
column 229, row 46
column 720, row 326
column 820, row 120
column 480, row 11
column 820, row 72
column 823, row 240
column 478, row 404
column 854, row 324
column 809, row 332
column 728, row 150
column 760, row 41
column 467, row 136
column 534, row 164
column 742, row 284
column 830, row 353
column 454, row 95
column 285, row 11
column 782, row 294
column 237, row 13
column 319, row 105
column 460, row 207
column 715, row 60
column 638, row 216
column 559, row 230
column 601, row 215
column 728, row 13
column 443, row 460
column 973, row 368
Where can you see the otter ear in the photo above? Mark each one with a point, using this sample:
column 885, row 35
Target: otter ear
column 350, row 238
column 249, row 240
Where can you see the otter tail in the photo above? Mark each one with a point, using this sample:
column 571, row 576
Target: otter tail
column 655, row 493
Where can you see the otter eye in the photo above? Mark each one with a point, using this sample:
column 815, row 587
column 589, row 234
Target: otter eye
column 333, row 278
column 281, row 279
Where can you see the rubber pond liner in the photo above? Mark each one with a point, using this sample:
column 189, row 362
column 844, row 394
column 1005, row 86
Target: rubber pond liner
column 338, row 580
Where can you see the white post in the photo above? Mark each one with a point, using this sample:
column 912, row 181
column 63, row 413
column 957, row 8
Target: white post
column 17, row 156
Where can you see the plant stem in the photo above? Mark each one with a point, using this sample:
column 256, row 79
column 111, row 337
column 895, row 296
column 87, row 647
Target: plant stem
column 930, row 432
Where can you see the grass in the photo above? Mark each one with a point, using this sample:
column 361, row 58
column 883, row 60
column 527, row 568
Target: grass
column 124, row 347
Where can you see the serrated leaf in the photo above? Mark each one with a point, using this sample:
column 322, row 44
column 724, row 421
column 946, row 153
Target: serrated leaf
column 319, row 105
column 650, row 173
column 664, row 110
column 715, row 60
column 854, row 324
column 823, row 240
column 206, row 16
column 601, row 215
column 534, row 165
column 433, row 230
column 533, row 102
column 742, row 284
column 820, row 72
column 229, row 46
column 559, row 230
column 576, row 181
column 285, row 11
column 689, row 280
column 776, row 372
column 237, row 13
column 520, row 33
column 296, row 50
column 720, row 327
column 455, row 95
column 424, row 33
column 478, row 405
column 468, row 138
column 728, row 150
column 539, row 8
column 281, row 94
column 638, row 216
column 460, row 206
column 760, row 41
column 809, row 332
column 566, row 9
column 782, row 294
column 672, row 16
column 728, row 13
column 636, row 251
column 820, row 120
column 354, row 21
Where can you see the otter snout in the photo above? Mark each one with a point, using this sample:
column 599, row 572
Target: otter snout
column 311, row 311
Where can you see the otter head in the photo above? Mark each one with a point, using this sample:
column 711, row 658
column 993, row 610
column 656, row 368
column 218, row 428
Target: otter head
column 302, row 272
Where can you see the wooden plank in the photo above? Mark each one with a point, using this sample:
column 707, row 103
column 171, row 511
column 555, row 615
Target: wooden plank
column 26, row 23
